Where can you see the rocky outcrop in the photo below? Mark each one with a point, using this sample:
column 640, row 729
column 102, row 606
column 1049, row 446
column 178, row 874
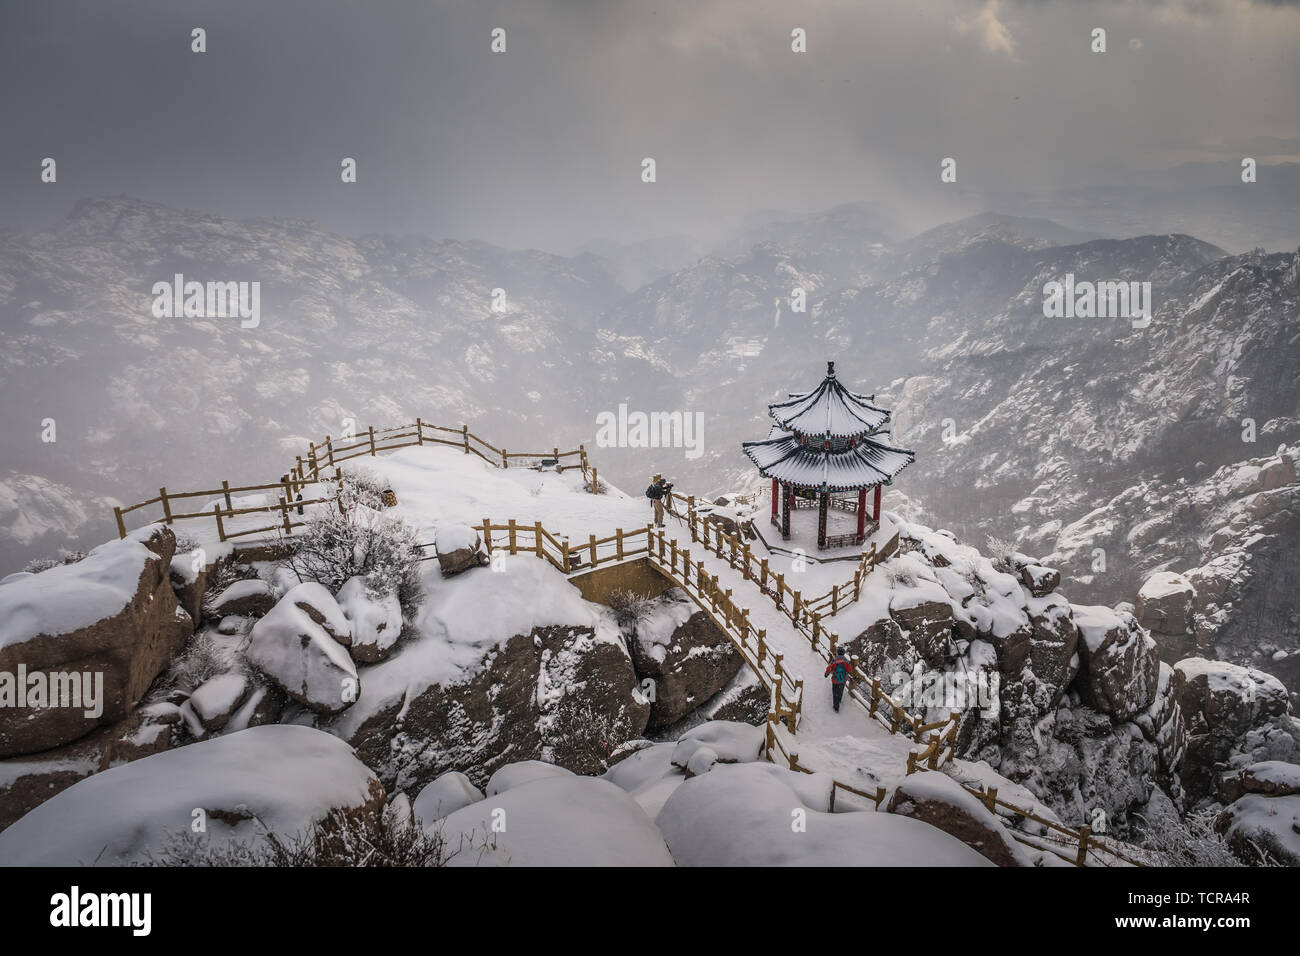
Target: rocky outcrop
column 561, row 693
column 686, row 662
column 26, row 782
column 1165, row 607
column 92, row 635
column 928, row 625
column 1236, row 716
column 1119, row 662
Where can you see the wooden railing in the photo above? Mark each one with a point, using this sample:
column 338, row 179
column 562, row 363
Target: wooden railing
column 302, row 485
column 803, row 611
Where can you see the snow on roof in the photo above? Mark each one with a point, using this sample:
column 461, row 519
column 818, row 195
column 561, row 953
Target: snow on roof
column 830, row 409
column 867, row 463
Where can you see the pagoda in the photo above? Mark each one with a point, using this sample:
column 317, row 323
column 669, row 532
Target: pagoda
column 823, row 447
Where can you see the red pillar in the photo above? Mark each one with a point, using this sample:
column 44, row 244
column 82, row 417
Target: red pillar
column 876, row 513
column 775, row 492
column 862, row 514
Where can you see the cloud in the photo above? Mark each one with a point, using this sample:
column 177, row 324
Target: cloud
column 993, row 34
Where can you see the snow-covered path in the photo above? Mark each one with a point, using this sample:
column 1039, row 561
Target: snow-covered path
column 849, row 745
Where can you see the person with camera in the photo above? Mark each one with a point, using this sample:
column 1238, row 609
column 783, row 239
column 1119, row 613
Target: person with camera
column 659, row 492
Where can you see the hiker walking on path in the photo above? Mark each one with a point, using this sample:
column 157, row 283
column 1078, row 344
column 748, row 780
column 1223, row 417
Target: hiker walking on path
column 838, row 670
column 657, row 491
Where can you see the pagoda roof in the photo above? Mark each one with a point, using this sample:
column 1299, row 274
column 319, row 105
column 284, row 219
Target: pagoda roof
column 829, row 409
column 785, row 458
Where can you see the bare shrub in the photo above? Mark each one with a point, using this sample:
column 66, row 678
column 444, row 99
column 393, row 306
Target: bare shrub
column 37, row 565
column 207, row 655
column 1191, row 842
column 630, row 609
column 359, row 542
column 338, row 842
column 1002, row 554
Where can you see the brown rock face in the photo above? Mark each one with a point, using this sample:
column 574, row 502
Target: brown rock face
column 557, row 693
column 699, row 660
column 941, row 802
column 190, row 594
column 451, row 563
column 929, row 626
column 30, row 781
column 1119, row 665
column 1040, row 580
column 129, row 649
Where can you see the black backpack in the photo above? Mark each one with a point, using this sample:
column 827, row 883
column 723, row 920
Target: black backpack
column 654, row 492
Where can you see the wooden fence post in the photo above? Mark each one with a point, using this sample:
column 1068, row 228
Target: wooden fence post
column 419, row 431
column 595, row 482
column 1084, row 832
column 464, row 433
column 618, row 543
column 505, row 459
column 537, row 537
column 592, row 541
column 329, row 451
column 284, row 513
column 487, row 535
column 372, row 441
column 991, row 799
column 167, row 508
column 564, row 542
column 514, row 549
column 221, row 527
column 121, row 525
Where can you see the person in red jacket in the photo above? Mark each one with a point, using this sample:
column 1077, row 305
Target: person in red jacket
column 839, row 671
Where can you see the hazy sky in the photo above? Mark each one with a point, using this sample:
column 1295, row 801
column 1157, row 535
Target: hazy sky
column 542, row 145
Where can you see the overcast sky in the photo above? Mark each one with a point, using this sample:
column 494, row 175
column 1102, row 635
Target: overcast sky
column 542, row 145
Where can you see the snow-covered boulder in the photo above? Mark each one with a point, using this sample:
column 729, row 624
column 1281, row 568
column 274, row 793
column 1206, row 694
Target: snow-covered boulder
column 719, row 741
column 446, row 795
column 301, row 657
column 1235, row 716
column 683, row 652
column 90, row 636
column 284, row 778
column 753, row 815
column 557, row 821
column 217, row 699
column 27, row 782
column 317, row 603
column 1165, row 606
column 459, row 548
column 251, row 597
column 263, row 705
column 1226, row 699
column 1040, row 580
column 1119, row 662
column 525, row 771
column 1271, row 778
column 376, row 620
column 942, row 802
column 1270, row 824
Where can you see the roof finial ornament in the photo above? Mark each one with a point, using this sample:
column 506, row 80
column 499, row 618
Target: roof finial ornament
column 830, row 369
